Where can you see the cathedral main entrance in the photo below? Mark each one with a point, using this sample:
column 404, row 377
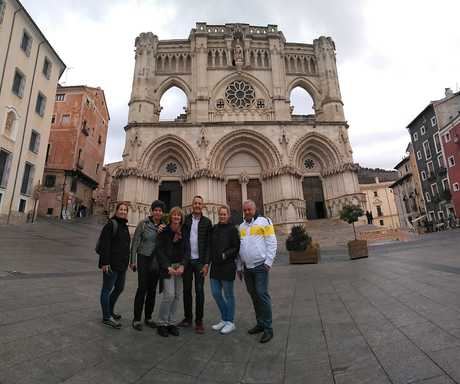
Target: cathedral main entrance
column 170, row 192
column 314, row 197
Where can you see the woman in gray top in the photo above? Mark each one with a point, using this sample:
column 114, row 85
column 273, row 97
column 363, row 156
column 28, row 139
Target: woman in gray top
column 141, row 259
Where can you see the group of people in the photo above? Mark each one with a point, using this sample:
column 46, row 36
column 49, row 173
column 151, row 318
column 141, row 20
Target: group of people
column 176, row 255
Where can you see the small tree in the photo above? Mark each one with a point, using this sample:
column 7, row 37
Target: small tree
column 351, row 214
column 298, row 239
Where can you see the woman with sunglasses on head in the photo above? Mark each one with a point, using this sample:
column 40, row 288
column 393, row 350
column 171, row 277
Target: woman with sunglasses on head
column 113, row 250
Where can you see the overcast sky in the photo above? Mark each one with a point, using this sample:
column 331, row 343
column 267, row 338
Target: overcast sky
column 393, row 56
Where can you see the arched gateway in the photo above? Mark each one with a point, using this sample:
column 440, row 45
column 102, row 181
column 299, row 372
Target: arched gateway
column 237, row 137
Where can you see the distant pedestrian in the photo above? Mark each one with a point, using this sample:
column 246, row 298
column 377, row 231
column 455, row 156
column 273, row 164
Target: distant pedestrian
column 224, row 247
column 113, row 249
column 170, row 251
column 145, row 263
column 257, row 253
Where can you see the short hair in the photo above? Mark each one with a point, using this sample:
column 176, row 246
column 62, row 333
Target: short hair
column 198, row 197
column 158, row 204
column 250, row 202
column 226, row 207
column 179, row 211
column 119, row 204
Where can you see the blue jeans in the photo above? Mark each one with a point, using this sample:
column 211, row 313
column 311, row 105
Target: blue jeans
column 256, row 280
column 113, row 284
column 225, row 302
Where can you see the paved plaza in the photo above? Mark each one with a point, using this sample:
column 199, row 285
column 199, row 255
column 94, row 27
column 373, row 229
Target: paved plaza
column 392, row 318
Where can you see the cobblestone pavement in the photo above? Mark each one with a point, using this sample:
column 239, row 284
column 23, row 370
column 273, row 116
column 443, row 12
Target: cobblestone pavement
column 392, row 318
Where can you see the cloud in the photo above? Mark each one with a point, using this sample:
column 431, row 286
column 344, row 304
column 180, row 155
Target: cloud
column 393, row 57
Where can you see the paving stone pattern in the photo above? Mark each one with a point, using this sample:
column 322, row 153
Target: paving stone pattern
column 392, row 318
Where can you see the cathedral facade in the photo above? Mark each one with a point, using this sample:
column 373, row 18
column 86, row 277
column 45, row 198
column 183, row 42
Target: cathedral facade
column 238, row 138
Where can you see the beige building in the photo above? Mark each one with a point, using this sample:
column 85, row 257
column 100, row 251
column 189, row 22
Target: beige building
column 30, row 69
column 238, row 137
column 407, row 191
column 380, row 201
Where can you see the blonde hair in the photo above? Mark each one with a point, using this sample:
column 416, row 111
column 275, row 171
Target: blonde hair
column 179, row 211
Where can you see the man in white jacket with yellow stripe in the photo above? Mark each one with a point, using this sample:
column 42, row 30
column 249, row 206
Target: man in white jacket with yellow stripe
column 257, row 253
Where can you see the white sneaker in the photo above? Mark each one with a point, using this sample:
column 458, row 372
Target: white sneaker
column 219, row 325
column 229, row 327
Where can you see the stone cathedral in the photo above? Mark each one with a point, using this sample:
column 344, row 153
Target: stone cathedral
column 238, row 138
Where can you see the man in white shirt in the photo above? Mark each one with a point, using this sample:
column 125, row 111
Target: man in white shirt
column 257, row 253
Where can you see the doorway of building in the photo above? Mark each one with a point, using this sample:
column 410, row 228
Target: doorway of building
column 235, row 201
column 255, row 194
column 170, row 192
column 314, row 197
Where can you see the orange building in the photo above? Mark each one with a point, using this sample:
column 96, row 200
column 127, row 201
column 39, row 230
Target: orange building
column 75, row 153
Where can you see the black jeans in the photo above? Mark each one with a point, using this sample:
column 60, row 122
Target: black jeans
column 256, row 280
column 193, row 270
column 113, row 284
column 146, row 289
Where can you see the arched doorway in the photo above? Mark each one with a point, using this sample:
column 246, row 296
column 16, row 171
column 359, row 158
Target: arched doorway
column 170, row 192
column 314, row 197
column 235, row 200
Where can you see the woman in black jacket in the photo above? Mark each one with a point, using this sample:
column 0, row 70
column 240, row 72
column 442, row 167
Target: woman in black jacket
column 113, row 252
column 170, row 253
column 224, row 248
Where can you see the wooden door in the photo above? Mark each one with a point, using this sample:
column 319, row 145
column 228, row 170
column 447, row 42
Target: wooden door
column 235, row 201
column 255, row 194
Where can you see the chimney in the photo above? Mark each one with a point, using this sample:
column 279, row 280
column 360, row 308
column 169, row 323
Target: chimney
column 448, row 92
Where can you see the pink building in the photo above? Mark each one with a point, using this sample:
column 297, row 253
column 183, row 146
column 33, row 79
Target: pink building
column 450, row 139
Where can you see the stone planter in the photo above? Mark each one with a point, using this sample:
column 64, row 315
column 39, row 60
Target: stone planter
column 309, row 256
column 357, row 249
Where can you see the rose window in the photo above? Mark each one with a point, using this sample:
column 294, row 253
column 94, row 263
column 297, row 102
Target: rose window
column 309, row 163
column 171, row 167
column 240, row 94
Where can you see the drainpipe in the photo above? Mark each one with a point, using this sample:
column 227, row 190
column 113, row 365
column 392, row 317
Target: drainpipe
column 21, row 148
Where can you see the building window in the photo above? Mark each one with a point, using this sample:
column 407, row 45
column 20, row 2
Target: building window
column 451, row 161
column 60, row 96
column 53, row 119
column 379, row 210
column 430, row 168
column 41, row 104
column 220, row 104
column 22, row 205
column 10, row 125
column 382, row 222
column 423, row 175
column 2, row 10
column 415, row 136
column 240, row 94
column 19, row 82
column 34, row 144
column 427, row 150
column 171, row 167
column 27, row 179
column 26, row 43
column 427, row 197
column 437, row 144
column 433, row 121
column 441, row 161
column 456, row 187
column 97, row 168
column 419, row 155
column 309, row 163
column 261, row 104
column 73, row 186
column 5, row 165
column 441, row 215
column 445, row 184
column 47, row 68
column 50, row 181
column 99, row 139
column 434, row 189
column 431, row 215
column 447, row 137
column 375, row 194
column 422, row 130
column 65, row 119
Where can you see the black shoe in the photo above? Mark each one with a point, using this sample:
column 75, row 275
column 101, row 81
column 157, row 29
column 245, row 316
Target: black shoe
column 116, row 316
column 173, row 330
column 150, row 323
column 185, row 323
column 163, row 331
column 255, row 330
column 266, row 337
column 137, row 325
column 111, row 323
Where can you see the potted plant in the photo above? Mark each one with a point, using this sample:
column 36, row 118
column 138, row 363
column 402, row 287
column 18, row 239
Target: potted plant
column 356, row 248
column 300, row 247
